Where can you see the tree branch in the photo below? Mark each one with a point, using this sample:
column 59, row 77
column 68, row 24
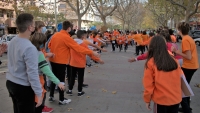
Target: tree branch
column 94, row 12
column 196, row 9
column 177, row 4
column 68, row 2
column 97, row 7
column 87, row 7
column 109, row 13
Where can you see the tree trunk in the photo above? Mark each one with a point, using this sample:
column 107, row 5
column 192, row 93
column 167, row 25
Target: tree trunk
column 79, row 22
column 171, row 23
column 187, row 18
column 15, row 8
column 123, row 25
column 104, row 21
column 129, row 25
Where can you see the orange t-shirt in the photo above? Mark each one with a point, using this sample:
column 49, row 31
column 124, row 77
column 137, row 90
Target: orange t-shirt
column 137, row 38
column 106, row 34
column 163, row 88
column 120, row 40
column 189, row 44
column 79, row 59
column 115, row 33
column 173, row 38
column 147, row 42
column 145, row 38
column 113, row 38
column 60, row 44
column 86, row 42
column 130, row 37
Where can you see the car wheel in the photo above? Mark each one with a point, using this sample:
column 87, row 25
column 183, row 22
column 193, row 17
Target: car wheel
column 197, row 43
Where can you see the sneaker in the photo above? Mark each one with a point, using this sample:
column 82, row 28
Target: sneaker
column 181, row 110
column 89, row 65
column 69, row 93
column 47, row 109
column 85, row 85
column 51, row 99
column 65, row 101
column 80, row 94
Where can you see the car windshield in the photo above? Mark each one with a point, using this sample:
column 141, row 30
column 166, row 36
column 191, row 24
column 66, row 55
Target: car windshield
column 9, row 38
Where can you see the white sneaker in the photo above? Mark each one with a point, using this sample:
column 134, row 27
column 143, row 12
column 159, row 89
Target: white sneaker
column 65, row 101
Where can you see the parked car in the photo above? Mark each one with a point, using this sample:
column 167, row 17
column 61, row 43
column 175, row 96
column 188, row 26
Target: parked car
column 194, row 34
column 197, row 41
column 7, row 38
column 178, row 37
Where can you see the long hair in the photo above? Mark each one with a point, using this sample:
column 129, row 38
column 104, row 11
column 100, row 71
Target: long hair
column 162, row 59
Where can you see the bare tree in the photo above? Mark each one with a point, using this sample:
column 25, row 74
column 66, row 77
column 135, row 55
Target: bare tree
column 189, row 6
column 161, row 10
column 125, row 11
column 103, row 8
column 137, row 20
column 80, row 7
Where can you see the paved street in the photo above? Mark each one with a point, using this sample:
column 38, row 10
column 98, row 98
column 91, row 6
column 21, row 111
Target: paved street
column 115, row 87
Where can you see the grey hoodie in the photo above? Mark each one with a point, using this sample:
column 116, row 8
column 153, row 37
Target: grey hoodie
column 23, row 64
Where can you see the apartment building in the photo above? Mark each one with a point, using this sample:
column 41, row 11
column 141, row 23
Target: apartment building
column 70, row 15
column 7, row 18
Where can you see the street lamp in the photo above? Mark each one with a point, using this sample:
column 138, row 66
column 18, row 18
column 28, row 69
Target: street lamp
column 55, row 15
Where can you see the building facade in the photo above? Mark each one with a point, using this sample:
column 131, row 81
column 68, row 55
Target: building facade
column 7, row 18
column 70, row 15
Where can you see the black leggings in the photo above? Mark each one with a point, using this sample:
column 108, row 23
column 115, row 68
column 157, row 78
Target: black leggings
column 59, row 72
column 80, row 72
column 185, row 103
column 39, row 109
column 139, row 48
column 68, row 73
column 113, row 46
column 126, row 46
column 120, row 47
column 166, row 109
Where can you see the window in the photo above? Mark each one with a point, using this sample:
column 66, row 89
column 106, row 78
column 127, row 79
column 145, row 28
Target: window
column 10, row 14
column 1, row 13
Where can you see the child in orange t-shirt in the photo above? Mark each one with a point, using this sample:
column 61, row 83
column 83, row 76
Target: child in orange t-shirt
column 162, row 78
column 126, row 41
column 113, row 41
column 190, row 59
column 78, row 63
column 145, row 38
column 120, row 42
column 173, row 38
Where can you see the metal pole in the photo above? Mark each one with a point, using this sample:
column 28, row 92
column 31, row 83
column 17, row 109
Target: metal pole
column 55, row 10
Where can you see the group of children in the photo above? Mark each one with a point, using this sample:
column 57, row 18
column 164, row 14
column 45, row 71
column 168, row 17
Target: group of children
column 32, row 60
column 122, row 40
column 163, row 70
